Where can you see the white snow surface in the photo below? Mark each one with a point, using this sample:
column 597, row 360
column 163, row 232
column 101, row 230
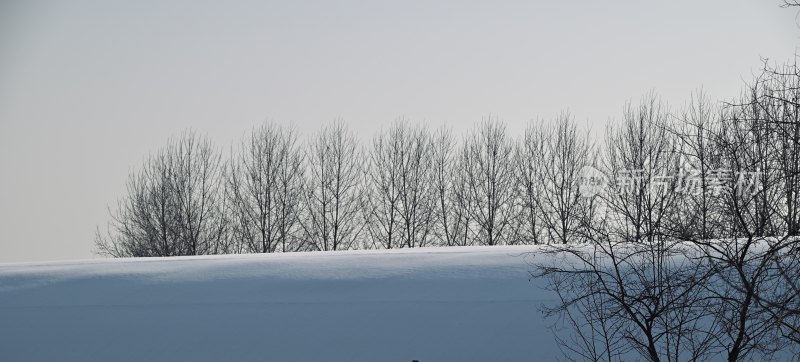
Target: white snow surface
column 426, row 304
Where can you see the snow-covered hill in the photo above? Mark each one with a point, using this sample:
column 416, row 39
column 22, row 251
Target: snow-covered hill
column 429, row 304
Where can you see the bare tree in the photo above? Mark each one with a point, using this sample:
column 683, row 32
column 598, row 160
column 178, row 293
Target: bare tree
column 745, row 142
column 453, row 222
column 446, row 217
column 174, row 205
column 400, row 184
column 265, row 183
column 332, row 219
column 417, row 199
column 529, row 164
column 778, row 99
column 487, row 161
column 641, row 160
column 564, row 154
column 196, row 184
column 624, row 301
column 695, row 213
column 143, row 223
column 383, row 188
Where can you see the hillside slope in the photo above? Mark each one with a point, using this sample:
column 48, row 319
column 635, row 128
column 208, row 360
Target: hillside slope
column 429, row 304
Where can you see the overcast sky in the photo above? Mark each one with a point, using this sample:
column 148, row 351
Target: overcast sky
column 90, row 88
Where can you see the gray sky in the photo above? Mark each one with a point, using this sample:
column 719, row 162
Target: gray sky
column 89, row 88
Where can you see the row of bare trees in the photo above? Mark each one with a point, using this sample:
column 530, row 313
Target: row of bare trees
column 409, row 188
column 692, row 247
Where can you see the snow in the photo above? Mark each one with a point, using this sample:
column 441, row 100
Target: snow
column 426, row 304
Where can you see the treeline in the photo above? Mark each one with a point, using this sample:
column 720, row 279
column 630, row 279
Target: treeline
column 658, row 171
